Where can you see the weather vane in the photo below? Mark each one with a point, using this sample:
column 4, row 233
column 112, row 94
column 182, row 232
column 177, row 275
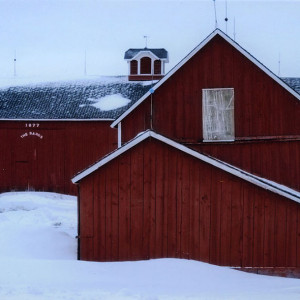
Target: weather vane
column 146, row 40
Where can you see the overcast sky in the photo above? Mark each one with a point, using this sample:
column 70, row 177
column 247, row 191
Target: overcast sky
column 50, row 37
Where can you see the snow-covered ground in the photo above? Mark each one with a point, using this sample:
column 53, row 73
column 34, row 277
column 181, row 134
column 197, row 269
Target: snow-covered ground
column 38, row 261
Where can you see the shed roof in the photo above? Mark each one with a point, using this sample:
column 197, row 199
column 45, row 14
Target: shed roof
column 159, row 52
column 191, row 54
column 69, row 100
column 259, row 181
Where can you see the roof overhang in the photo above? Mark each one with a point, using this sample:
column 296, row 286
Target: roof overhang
column 146, row 52
column 191, row 54
column 259, row 181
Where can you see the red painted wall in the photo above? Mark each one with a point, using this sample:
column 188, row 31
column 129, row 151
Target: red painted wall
column 45, row 155
column 267, row 117
column 154, row 201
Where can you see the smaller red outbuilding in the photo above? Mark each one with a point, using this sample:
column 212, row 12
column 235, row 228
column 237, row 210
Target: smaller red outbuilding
column 155, row 198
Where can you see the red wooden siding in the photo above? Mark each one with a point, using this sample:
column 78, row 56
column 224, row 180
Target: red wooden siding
column 131, row 126
column 275, row 160
column 46, row 157
column 154, row 201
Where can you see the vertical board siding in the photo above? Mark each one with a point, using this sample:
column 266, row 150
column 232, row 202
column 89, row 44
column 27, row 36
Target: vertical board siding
column 172, row 208
column 205, row 178
column 258, row 230
column 136, row 205
column 275, row 160
column 280, row 233
column 225, row 224
column 115, row 218
column 215, row 215
column 236, row 230
column 148, row 188
column 291, row 235
column 48, row 162
column 194, row 212
column 269, row 237
column 185, row 209
column 248, row 226
column 159, row 202
column 298, row 237
column 124, row 208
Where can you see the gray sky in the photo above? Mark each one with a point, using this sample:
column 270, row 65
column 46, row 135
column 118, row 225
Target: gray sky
column 51, row 36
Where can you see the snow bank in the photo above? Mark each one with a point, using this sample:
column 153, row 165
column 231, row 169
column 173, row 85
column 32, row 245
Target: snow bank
column 37, row 226
column 38, row 261
column 110, row 102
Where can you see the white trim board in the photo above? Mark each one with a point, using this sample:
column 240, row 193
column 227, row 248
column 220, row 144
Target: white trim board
column 142, row 53
column 191, row 54
column 259, row 181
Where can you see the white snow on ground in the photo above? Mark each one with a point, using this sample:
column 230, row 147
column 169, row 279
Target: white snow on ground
column 38, row 261
column 110, row 102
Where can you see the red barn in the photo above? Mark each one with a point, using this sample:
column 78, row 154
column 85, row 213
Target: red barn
column 51, row 131
column 208, row 168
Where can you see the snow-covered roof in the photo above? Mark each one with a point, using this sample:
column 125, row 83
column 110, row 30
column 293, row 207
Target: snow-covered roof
column 259, row 181
column 293, row 82
column 103, row 98
column 191, row 54
column 161, row 53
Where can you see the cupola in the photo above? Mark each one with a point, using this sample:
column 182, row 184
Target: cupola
column 146, row 64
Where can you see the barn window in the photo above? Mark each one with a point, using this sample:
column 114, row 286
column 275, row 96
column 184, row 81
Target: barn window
column 146, row 65
column 133, row 67
column 218, row 114
column 157, row 67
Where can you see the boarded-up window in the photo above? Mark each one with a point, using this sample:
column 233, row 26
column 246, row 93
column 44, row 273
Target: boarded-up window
column 146, row 65
column 218, row 114
column 133, row 67
column 157, row 67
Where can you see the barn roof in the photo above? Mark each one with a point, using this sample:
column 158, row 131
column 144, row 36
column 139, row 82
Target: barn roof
column 192, row 53
column 71, row 100
column 259, row 181
column 293, row 82
column 161, row 53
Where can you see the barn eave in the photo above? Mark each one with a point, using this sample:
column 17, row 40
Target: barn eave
column 256, row 180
